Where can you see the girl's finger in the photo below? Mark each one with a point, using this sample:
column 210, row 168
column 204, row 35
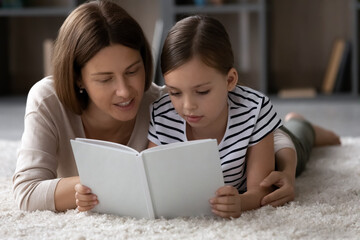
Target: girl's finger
column 85, row 197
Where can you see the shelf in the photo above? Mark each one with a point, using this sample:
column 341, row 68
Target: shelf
column 218, row 9
column 35, row 12
column 319, row 97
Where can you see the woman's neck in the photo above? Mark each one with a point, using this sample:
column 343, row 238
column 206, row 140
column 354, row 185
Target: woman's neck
column 107, row 129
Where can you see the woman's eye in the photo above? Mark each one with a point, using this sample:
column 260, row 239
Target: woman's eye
column 203, row 92
column 132, row 72
column 105, row 80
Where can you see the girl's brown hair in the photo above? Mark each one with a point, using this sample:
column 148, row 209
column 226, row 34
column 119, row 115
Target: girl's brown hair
column 200, row 36
column 88, row 29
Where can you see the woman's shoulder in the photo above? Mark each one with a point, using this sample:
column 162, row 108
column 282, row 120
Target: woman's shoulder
column 40, row 93
column 42, row 88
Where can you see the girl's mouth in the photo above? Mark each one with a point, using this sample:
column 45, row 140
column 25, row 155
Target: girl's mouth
column 193, row 118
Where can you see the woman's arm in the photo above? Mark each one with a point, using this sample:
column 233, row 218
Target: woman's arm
column 260, row 162
column 283, row 179
column 45, row 153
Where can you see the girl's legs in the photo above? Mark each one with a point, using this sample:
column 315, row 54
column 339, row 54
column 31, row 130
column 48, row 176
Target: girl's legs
column 305, row 136
column 323, row 137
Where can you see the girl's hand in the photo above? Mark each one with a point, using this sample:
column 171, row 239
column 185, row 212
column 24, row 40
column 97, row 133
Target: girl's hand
column 285, row 192
column 85, row 200
column 227, row 202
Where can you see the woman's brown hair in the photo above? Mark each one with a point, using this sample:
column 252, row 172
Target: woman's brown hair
column 88, row 29
column 200, row 36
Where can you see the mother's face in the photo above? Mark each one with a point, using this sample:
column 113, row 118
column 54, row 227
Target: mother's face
column 114, row 80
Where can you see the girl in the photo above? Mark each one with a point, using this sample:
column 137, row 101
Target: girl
column 204, row 101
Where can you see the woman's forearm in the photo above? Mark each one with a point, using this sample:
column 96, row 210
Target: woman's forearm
column 65, row 194
column 286, row 162
column 252, row 198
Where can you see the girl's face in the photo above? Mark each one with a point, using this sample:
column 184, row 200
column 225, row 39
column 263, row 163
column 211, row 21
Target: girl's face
column 114, row 80
column 199, row 93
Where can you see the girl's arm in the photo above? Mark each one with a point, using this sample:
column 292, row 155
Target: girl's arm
column 260, row 162
column 65, row 193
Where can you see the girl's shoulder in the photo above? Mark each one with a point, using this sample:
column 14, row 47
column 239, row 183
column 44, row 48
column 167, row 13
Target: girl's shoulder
column 154, row 92
column 246, row 96
column 162, row 103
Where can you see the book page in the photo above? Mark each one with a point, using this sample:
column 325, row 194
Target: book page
column 108, row 144
column 114, row 176
column 183, row 177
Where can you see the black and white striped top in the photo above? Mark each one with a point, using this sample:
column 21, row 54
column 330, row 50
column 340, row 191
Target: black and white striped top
column 251, row 117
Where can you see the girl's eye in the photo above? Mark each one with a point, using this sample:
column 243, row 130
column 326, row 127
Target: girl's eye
column 203, row 92
column 174, row 94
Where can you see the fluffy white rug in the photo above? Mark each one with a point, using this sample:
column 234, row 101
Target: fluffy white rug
column 326, row 207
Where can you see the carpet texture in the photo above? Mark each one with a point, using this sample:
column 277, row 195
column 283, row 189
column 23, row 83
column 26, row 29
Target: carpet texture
column 327, row 206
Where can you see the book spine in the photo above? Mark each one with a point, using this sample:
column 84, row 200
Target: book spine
column 147, row 195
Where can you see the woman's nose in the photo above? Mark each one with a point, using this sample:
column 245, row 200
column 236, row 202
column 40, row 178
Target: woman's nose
column 122, row 88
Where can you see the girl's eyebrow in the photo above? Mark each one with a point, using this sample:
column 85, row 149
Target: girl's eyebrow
column 196, row 86
column 108, row 73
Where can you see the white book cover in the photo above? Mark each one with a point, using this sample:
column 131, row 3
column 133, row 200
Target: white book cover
column 172, row 180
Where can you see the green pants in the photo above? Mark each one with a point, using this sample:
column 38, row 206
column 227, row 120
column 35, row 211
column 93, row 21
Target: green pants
column 303, row 136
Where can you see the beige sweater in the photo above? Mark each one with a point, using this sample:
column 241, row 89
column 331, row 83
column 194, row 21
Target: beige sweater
column 45, row 155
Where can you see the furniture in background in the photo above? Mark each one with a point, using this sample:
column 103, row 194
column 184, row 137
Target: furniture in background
column 277, row 43
column 282, row 44
column 24, row 27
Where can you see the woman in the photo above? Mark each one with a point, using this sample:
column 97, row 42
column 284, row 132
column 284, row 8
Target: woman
column 101, row 88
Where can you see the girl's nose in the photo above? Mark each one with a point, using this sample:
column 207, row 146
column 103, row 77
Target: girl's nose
column 189, row 103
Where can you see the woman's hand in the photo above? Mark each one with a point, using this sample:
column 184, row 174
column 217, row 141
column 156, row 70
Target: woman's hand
column 227, row 202
column 285, row 191
column 85, row 199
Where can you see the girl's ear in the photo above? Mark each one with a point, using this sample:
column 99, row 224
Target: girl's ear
column 232, row 79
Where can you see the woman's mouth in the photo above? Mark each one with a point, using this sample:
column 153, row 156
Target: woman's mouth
column 125, row 105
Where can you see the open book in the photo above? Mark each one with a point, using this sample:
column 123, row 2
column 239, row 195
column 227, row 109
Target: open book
column 173, row 180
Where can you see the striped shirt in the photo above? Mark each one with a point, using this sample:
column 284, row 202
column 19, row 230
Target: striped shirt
column 251, row 118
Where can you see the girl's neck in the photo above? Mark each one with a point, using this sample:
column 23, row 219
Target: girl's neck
column 196, row 134
column 107, row 129
column 216, row 130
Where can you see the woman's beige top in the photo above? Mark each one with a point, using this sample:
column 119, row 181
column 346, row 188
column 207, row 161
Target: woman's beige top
column 45, row 155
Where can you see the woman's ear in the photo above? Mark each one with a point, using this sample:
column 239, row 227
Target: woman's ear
column 232, row 79
column 79, row 84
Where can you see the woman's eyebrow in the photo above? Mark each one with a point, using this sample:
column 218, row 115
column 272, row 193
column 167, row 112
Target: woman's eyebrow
column 108, row 73
column 135, row 63
column 101, row 73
